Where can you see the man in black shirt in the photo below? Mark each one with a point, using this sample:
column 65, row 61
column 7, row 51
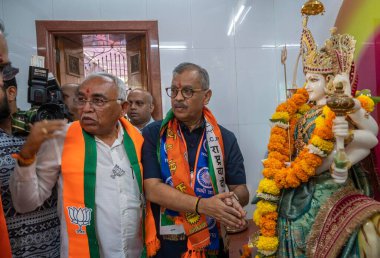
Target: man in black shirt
column 190, row 165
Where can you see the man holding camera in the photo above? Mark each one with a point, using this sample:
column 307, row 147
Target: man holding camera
column 96, row 161
column 36, row 233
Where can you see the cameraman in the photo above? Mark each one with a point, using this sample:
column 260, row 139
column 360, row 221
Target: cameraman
column 20, row 230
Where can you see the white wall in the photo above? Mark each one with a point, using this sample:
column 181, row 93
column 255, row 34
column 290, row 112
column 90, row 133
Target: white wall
column 245, row 70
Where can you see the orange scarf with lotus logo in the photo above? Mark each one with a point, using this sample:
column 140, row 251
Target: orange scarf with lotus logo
column 79, row 161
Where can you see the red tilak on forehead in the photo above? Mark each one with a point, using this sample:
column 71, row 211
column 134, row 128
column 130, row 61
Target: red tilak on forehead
column 180, row 84
column 1, row 59
column 87, row 91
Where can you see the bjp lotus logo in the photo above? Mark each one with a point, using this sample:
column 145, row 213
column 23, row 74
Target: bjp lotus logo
column 80, row 217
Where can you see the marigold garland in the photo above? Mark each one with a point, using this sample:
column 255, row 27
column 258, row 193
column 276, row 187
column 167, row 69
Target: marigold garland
column 367, row 103
column 303, row 109
column 268, row 186
column 281, row 116
column 277, row 175
column 323, row 145
column 267, row 244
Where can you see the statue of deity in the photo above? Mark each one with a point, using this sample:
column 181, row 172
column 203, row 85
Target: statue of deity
column 315, row 199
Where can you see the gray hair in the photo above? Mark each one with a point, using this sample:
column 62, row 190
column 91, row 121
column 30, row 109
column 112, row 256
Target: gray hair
column 122, row 90
column 202, row 73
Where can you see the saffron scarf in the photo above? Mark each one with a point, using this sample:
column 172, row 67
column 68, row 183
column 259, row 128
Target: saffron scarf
column 5, row 246
column 79, row 180
column 207, row 180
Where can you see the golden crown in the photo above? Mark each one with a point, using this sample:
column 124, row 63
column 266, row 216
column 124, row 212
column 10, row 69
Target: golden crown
column 335, row 57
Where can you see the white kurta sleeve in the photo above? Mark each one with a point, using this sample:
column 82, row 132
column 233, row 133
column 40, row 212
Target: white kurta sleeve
column 31, row 185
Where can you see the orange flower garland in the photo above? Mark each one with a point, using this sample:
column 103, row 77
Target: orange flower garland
column 278, row 174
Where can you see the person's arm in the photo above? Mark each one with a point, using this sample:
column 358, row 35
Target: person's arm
column 241, row 192
column 31, row 185
column 158, row 192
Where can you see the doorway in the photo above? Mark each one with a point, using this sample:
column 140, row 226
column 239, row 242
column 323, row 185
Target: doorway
column 127, row 49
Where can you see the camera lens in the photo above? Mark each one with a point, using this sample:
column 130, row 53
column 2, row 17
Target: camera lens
column 49, row 112
column 46, row 115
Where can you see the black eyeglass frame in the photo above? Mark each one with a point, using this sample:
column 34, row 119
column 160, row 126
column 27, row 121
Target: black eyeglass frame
column 185, row 95
column 99, row 102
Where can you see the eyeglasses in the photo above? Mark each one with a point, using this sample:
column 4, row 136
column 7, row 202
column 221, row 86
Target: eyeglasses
column 95, row 102
column 186, row 92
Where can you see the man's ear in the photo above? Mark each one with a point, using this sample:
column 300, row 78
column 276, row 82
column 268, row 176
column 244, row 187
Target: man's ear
column 207, row 97
column 124, row 108
column 151, row 108
column 11, row 93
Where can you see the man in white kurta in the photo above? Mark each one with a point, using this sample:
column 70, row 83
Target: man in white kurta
column 117, row 198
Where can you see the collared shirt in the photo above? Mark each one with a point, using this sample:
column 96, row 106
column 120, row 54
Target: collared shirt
column 234, row 165
column 149, row 122
column 117, row 197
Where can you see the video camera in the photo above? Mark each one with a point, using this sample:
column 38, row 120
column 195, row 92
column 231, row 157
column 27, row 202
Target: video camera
column 46, row 98
column 45, row 92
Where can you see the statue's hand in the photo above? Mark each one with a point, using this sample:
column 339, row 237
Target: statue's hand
column 340, row 128
column 344, row 78
column 340, row 175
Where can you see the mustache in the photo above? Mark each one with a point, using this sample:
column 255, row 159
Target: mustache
column 179, row 105
column 86, row 117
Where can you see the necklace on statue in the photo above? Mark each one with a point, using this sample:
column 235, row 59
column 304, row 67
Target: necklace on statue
column 303, row 126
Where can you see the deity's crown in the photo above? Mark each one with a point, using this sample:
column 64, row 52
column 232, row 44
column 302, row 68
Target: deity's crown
column 335, row 57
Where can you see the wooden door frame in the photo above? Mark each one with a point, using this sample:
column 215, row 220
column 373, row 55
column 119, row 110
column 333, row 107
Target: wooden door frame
column 47, row 30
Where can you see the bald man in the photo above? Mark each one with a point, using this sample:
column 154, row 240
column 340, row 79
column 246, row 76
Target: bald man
column 140, row 108
column 69, row 92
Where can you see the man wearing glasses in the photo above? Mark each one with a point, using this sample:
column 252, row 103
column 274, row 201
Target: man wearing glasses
column 96, row 161
column 193, row 172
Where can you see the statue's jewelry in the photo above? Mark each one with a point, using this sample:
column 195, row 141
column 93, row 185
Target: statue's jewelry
column 303, row 127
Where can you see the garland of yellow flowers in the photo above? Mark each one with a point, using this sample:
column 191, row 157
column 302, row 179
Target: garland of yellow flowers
column 277, row 175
